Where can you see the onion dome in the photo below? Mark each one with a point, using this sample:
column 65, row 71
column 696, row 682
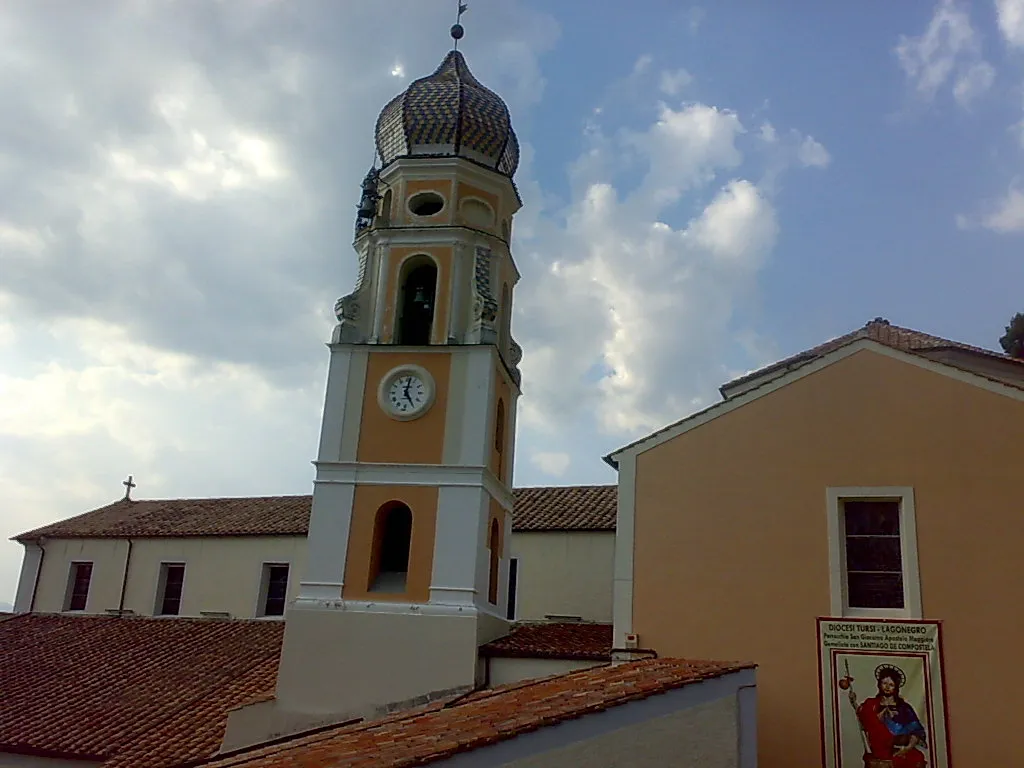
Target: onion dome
column 449, row 114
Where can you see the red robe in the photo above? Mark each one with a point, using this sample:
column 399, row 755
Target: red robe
column 882, row 732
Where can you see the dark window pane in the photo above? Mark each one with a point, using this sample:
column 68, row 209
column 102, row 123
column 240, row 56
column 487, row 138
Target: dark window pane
column 872, row 518
column 174, row 580
column 394, row 555
column 277, row 590
column 875, row 590
column 80, row 586
column 513, row 575
column 873, row 553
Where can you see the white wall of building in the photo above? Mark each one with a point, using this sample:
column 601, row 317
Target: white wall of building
column 222, row 573
column 558, row 573
column 564, row 574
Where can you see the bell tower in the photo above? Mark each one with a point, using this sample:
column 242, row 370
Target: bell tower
column 408, row 546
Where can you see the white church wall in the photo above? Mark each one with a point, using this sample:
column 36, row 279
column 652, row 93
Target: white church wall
column 58, row 555
column 564, row 573
column 223, row 574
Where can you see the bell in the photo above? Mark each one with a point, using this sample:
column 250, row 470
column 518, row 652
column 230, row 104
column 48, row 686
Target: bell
column 420, row 297
column 367, row 208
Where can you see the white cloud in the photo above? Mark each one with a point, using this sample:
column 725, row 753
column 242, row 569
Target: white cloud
column 1010, row 14
column 948, row 49
column 1007, row 216
column 813, row 154
column 768, row 133
column 631, row 318
column 973, row 82
column 553, row 464
column 674, row 82
column 178, row 198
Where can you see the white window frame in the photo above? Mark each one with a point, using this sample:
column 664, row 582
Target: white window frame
column 908, row 551
column 161, row 587
column 261, row 598
column 70, row 587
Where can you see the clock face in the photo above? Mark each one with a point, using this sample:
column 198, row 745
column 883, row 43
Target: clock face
column 407, row 394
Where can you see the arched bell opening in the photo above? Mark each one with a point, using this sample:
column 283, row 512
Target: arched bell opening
column 417, row 299
column 392, row 538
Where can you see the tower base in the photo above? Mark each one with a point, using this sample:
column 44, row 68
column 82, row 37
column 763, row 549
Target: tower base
column 340, row 664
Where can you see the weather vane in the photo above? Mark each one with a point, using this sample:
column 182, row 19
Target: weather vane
column 457, row 31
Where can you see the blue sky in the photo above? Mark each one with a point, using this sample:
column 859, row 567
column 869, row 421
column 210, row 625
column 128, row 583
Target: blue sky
column 707, row 187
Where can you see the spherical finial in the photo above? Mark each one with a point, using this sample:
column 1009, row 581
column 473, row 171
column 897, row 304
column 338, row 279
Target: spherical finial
column 457, row 32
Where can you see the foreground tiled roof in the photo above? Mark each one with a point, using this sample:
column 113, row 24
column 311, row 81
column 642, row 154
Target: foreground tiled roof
column 136, row 692
column 884, row 332
column 580, row 641
column 451, row 726
column 536, row 509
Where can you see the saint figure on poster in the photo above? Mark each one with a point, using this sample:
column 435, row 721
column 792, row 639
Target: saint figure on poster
column 893, row 733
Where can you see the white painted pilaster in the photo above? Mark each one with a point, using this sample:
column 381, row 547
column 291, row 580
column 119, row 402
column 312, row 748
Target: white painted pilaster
column 327, row 542
column 380, row 300
column 461, row 516
column 332, row 422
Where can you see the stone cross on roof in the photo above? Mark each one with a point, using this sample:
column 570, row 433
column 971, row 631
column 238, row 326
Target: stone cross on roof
column 128, row 485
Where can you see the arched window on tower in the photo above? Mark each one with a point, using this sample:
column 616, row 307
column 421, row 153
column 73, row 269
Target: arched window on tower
column 392, row 535
column 494, row 544
column 416, row 301
column 499, row 437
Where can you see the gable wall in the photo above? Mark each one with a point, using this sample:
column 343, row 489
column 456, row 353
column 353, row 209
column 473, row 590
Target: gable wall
column 731, row 550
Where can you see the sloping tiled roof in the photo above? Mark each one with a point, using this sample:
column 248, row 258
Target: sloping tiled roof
column 580, row 641
column 137, row 692
column 536, row 509
column 461, row 724
column 882, row 331
column 565, row 508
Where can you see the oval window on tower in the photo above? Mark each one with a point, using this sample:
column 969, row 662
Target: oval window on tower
column 426, row 203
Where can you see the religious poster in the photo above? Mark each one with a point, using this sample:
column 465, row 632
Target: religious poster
column 882, row 694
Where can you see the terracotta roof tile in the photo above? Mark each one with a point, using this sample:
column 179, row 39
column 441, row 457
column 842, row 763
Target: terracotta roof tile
column 242, row 516
column 461, row 724
column 132, row 691
column 565, row 508
column 580, row 641
column 882, row 331
column 536, row 509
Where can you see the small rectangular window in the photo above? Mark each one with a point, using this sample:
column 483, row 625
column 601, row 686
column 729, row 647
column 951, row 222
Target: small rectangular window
column 513, row 576
column 172, row 582
column 276, row 589
column 78, row 587
column 873, row 554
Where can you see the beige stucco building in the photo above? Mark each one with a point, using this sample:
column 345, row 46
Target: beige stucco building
column 737, row 532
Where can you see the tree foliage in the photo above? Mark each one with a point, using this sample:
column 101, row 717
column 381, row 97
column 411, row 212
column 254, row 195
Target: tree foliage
column 1013, row 341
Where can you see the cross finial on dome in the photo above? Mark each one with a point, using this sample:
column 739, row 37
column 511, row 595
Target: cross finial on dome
column 457, row 32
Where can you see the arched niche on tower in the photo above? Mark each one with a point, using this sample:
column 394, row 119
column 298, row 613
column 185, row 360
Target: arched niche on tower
column 476, row 213
column 417, row 301
column 392, row 542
